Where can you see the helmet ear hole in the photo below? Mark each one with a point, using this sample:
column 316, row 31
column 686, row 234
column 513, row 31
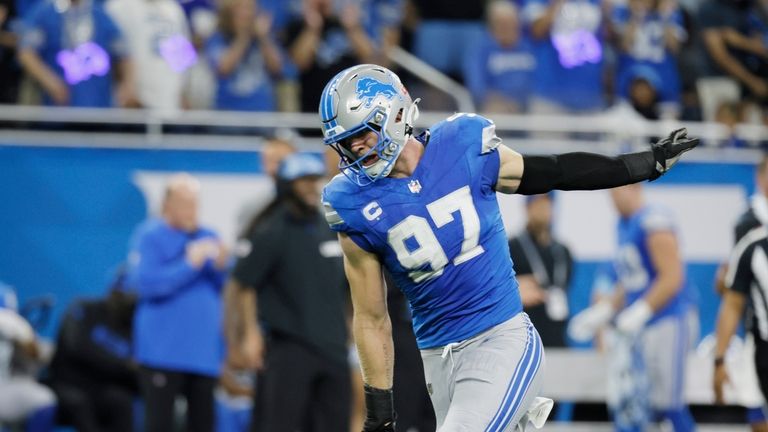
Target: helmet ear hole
column 399, row 116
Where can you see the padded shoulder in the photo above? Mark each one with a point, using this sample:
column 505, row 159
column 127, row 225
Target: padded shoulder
column 472, row 131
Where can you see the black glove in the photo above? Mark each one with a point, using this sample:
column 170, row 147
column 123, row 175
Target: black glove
column 380, row 411
column 667, row 151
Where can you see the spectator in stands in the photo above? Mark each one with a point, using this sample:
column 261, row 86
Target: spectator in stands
column 499, row 72
column 543, row 267
column 22, row 400
column 568, row 45
column 643, row 91
column 72, row 49
column 177, row 269
column 158, row 40
column 382, row 22
column 650, row 35
column 286, row 302
column 734, row 46
column 454, row 26
column 326, row 40
column 200, row 87
column 244, row 57
column 10, row 73
column 92, row 372
column 282, row 12
column 729, row 114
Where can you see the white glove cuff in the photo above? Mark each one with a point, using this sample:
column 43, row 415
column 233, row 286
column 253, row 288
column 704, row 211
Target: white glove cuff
column 634, row 317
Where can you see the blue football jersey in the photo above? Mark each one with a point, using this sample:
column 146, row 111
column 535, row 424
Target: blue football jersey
column 438, row 232
column 633, row 264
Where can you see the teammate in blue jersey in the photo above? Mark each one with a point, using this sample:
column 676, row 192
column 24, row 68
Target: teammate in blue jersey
column 655, row 305
column 425, row 208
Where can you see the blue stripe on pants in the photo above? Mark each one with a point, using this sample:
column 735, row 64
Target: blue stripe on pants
column 521, row 379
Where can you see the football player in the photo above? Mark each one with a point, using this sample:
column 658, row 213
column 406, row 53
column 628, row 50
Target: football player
column 425, row 208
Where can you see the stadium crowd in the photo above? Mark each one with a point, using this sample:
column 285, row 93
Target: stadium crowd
column 690, row 60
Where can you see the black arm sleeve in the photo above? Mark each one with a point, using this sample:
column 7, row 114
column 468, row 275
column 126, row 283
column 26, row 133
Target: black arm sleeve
column 583, row 171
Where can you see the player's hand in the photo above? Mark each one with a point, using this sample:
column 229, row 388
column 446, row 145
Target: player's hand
column 200, row 251
column 253, row 348
column 531, row 294
column 221, row 259
column 633, row 319
column 584, row 325
column 667, row 151
column 720, row 378
column 379, row 410
column 197, row 253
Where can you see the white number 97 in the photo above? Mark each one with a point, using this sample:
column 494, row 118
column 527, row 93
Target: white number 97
column 429, row 250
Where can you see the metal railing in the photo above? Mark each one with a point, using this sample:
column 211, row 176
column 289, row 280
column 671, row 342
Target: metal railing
column 606, row 132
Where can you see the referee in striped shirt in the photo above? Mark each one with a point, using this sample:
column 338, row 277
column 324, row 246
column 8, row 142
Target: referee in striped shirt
column 746, row 281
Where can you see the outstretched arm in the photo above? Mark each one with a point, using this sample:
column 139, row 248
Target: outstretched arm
column 531, row 175
column 372, row 332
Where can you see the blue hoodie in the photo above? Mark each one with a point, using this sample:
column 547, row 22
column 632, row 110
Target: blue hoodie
column 178, row 321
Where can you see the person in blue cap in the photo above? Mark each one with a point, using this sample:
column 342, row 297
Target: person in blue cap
column 285, row 308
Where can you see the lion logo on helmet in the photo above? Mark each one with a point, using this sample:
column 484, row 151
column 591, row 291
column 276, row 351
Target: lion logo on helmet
column 368, row 89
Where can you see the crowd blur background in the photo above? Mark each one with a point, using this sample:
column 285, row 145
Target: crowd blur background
column 104, row 102
column 688, row 59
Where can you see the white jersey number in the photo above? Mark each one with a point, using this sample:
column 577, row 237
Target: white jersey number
column 631, row 270
column 429, row 250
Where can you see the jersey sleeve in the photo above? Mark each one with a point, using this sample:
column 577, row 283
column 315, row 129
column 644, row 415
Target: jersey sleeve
column 477, row 135
column 339, row 214
column 746, row 223
column 657, row 220
column 740, row 275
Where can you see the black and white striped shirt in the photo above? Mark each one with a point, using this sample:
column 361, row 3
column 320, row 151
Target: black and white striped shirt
column 748, row 274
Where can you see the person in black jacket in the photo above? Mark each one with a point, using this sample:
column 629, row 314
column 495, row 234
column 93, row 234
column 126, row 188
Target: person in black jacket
column 543, row 267
column 285, row 309
column 92, row 373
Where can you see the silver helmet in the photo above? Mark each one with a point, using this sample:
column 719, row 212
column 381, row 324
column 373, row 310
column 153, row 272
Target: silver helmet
column 367, row 98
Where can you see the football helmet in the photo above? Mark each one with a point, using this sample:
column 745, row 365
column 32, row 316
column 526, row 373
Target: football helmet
column 361, row 99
